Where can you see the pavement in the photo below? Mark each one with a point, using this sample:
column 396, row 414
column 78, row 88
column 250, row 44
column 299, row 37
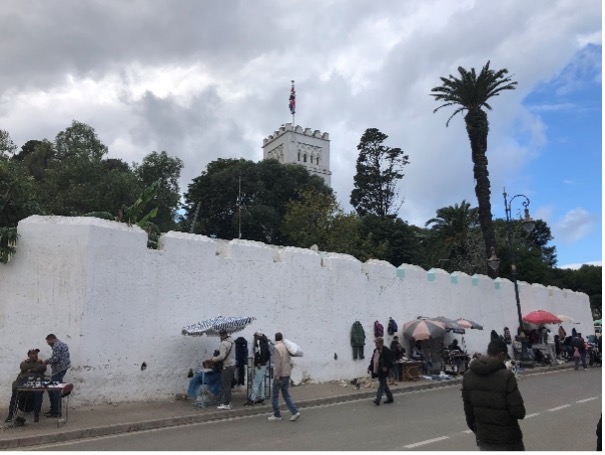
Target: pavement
column 103, row 420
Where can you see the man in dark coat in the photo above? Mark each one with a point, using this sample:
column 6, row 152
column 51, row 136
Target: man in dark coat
column 492, row 402
column 380, row 366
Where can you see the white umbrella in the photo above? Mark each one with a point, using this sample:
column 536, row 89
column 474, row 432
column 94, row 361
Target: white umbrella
column 212, row 327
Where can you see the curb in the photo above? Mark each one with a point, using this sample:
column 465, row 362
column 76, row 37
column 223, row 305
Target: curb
column 107, row 430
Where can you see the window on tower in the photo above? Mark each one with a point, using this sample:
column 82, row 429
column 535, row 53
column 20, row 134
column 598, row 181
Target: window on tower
column 317, row 162
column 298, row 156
column 305, row 158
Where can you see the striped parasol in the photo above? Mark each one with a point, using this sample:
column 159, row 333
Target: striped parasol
column 450, row 324
column 212, row 327
column 423, row 329
column 468, row 324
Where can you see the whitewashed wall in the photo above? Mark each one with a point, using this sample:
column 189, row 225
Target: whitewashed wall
column 118, row 304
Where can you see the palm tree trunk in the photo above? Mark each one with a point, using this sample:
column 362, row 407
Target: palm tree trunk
column 477, row 128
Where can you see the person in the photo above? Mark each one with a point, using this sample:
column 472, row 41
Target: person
column 397, row 348
column 380, row 365
column 59, row 364
column 418, row 356
column 455, row 352
column 226, row 354
column 261, row 359
column 32, row 366
column 577, row 342
column 205, row 376
column 282, row 368
column 493, row 404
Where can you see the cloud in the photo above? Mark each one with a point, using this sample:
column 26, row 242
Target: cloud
column 208, row 80
column 578, row 265
column 574, row 225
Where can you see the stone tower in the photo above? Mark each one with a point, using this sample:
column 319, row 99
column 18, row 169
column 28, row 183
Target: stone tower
column 295, row 145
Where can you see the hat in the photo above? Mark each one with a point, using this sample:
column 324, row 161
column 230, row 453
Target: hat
column 33, row 351
column 258, row 333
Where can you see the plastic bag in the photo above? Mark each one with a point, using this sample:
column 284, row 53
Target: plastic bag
column 293, row 348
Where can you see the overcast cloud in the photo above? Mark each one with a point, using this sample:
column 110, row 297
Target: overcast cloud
column 210, row 79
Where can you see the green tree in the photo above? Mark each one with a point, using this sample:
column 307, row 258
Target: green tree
column 455, row 243
column 79, row 139
column 7, row 146
column 231, row 192
column 160, row 166
column 471, row 93
column 379, row 169
column 315, row 218
column 390, row 239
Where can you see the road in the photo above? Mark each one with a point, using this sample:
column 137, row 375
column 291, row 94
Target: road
column 563, row 408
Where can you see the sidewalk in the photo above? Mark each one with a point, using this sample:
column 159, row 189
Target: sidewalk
column 103, row 420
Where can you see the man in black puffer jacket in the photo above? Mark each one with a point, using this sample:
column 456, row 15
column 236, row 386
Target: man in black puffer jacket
column 492, row 402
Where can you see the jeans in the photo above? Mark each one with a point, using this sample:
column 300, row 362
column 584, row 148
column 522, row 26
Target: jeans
column 582, row 357
column 258, row 383
column 55, row 396
column 21, row 395
column 282, row 384
column 227, row 374
column 383, row 387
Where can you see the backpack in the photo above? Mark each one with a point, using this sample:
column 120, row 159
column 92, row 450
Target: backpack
column 378, row 329
column 392, row 327
column 293, row 348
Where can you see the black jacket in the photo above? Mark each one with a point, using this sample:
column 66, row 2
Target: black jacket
column 261, row 352
column 384, row 361
column 492, row 402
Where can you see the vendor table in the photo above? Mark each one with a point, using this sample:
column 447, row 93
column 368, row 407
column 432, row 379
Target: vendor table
column 410, row 370
column 64, row 390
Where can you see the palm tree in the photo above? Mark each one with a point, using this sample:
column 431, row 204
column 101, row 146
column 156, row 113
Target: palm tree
column 453, row 223
column 471, row 93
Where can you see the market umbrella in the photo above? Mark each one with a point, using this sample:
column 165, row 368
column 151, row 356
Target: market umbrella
column 450, row 324
column 423, row 329
column 468, row 324
column 567, row 319
column 541, row 317
column 212, row 327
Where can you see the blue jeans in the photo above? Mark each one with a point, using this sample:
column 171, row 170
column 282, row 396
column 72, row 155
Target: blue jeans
column 582, row 357
column 55, row 396
column 258, row 383
column 282, row 384
column 383, row 387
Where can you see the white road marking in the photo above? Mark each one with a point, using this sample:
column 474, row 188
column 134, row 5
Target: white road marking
column 559, row 407
column 428, row 441
column 529, row 416
column 587, row 399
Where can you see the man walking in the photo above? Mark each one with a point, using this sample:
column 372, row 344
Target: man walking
column 380, row 366
column 492, row 402
column 226, row 354
column 282, row 368
column 59, row 364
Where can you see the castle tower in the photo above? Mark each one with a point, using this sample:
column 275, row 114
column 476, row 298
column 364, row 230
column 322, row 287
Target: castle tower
column 295, row 145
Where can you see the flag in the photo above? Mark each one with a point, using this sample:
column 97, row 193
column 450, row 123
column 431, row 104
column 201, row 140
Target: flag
column 292, row 103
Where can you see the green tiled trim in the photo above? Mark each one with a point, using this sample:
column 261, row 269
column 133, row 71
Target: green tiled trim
column 430, row 275
column 475, row 280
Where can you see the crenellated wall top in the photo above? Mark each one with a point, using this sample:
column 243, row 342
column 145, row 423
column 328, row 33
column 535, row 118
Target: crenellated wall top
column 288, row 127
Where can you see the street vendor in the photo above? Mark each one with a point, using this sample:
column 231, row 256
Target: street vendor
column 30, row 367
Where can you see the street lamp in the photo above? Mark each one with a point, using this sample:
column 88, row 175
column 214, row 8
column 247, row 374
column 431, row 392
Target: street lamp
column 494, row 262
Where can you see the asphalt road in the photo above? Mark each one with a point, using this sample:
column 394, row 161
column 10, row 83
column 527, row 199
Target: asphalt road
column 563, row 408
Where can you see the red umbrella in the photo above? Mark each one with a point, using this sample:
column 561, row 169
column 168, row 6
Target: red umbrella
column 541, row 317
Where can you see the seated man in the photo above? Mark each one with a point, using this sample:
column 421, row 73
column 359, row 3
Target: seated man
column 206, row 376
column 30, row 367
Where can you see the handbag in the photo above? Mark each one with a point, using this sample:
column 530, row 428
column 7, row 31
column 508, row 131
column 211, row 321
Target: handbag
column 218, row 366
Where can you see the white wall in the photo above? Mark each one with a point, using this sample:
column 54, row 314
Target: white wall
column 118, row 304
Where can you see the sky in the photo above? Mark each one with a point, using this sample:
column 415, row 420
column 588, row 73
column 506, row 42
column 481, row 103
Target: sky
column 204, row 80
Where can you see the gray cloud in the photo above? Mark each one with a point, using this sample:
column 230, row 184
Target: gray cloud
column 204, row 80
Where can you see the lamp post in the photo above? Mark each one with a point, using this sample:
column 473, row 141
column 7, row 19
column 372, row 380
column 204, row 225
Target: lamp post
column 528, row 225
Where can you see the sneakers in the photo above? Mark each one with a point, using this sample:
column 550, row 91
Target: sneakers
column 295, row 417
column 36, row 418
column 274, row 418
column 259, row 401
column 376, row 402
column 8, row 419
column 249, row 403
column 389, row 401
column 224, row 407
